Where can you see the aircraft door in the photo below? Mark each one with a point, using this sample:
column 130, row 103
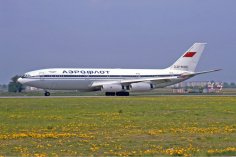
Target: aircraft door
column 41, row 76
column 137, row 74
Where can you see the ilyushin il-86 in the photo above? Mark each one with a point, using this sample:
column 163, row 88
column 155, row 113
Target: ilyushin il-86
column 117, row 82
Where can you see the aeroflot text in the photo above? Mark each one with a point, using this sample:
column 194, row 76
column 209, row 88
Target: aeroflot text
column 86, row 72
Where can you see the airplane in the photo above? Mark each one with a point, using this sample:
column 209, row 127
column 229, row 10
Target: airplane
column 116, row 82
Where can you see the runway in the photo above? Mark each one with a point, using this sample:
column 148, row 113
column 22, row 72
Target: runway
column 47, row 97
column 51, row 97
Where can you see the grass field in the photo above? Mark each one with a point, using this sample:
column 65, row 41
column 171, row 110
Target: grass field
column 183, row 126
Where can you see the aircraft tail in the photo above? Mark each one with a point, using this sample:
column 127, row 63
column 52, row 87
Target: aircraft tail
column 189, row 60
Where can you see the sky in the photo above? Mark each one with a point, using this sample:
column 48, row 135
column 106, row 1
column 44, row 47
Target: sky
column 116, row 34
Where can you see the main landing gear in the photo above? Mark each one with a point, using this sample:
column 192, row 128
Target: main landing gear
column 117, row 93
column 46, row 93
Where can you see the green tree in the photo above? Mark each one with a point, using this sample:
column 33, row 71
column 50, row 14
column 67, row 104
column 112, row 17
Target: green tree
column 232, row 85
column 15, row 86
column 226, row 85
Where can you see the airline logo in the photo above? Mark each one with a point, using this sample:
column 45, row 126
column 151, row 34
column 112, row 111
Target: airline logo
column 86, row 71
column 189, row 54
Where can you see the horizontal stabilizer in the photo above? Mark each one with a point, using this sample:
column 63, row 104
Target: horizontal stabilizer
column 198, row 73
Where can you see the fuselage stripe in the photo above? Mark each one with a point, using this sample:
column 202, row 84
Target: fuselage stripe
column 99, row 76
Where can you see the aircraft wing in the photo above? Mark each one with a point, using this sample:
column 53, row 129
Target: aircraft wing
column 130, row 81
column 156, row 80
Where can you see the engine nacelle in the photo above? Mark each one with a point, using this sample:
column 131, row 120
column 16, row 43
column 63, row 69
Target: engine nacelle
column 142, row 86
column 111, row 88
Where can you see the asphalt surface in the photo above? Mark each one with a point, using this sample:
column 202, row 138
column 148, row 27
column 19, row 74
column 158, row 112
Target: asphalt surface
column 50, row 97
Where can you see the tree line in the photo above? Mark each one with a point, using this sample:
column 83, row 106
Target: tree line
column 15, row 86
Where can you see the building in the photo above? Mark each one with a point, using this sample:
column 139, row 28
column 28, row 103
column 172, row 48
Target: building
column 198, row 87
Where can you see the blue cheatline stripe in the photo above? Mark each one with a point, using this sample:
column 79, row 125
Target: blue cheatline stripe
column 99, row 76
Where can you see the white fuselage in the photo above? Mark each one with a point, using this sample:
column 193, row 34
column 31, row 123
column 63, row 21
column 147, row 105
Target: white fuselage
column 117, row 81
column 82, row 78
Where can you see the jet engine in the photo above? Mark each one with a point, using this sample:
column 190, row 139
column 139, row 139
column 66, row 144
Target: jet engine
column 111, row 88
column 142, row 86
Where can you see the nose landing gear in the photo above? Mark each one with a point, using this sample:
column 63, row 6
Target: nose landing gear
column 47, row 93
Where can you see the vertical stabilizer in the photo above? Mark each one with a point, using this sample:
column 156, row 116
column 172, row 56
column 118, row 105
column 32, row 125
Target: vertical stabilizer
column 189, row 60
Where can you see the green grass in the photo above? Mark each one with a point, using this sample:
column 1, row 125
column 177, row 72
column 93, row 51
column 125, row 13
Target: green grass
column 118, row 126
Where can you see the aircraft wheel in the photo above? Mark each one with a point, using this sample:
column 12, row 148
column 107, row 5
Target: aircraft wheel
column 122, row 93
column 47, row 93
column 110, row 93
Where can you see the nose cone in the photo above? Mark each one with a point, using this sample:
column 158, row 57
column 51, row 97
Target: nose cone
column 20, row 80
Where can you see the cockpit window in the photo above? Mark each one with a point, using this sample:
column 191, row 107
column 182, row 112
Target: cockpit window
column 26, row 76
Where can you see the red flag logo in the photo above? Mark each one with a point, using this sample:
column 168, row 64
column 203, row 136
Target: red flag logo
column 190, row 54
